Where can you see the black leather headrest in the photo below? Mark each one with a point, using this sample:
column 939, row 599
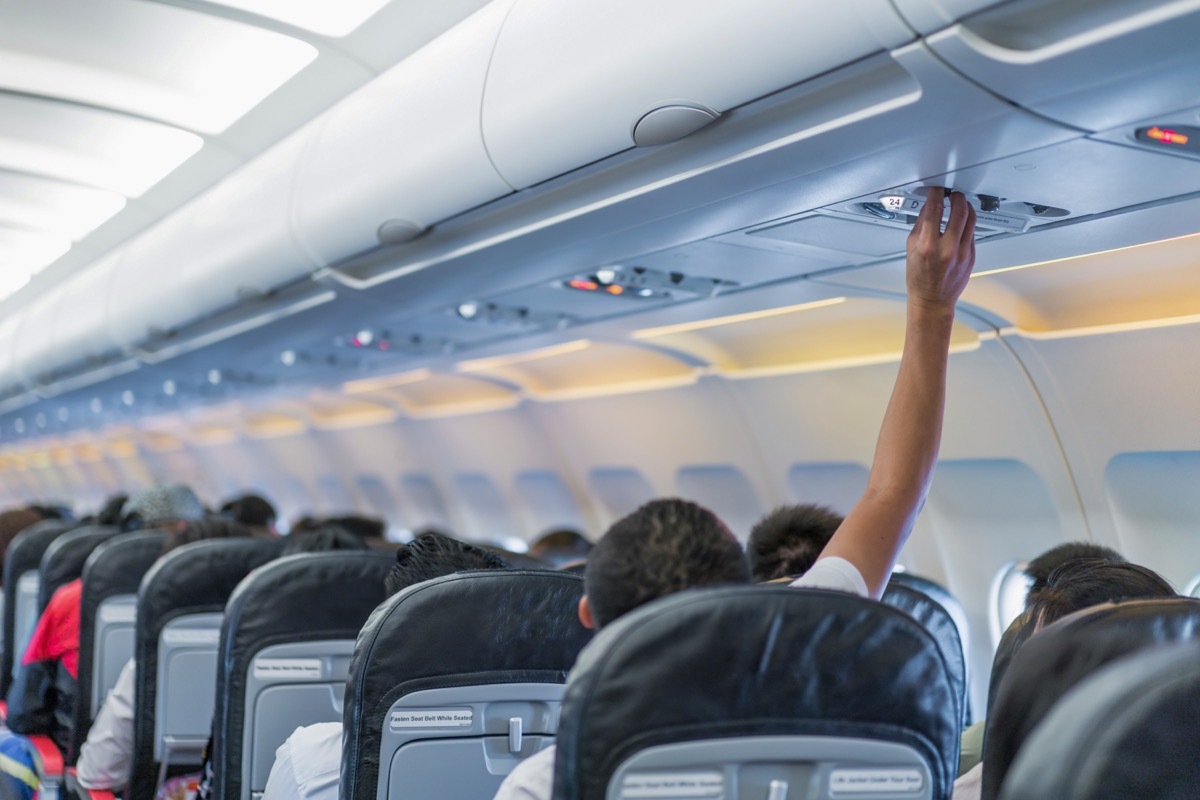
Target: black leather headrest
column 197, row 578
column 1127, row 731
column 24, row 554
column 753, row 660
column 302, row 598
column 1017, row 633
column 471, row 628
column 1059, row 657
column 115, row 567
column 64, row 559
column 934, row 617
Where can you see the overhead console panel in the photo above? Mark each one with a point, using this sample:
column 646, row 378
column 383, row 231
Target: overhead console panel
column 572, row 83
column 1095, row 65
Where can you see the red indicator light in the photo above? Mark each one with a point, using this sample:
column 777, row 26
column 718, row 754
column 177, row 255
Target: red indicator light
column 582, row 285
column 615, row 289
column 1167, row 136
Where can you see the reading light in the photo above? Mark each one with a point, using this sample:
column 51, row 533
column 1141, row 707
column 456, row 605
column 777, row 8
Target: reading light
column 214, row 376
column 96, row 405
column 40, row 420
column 127, row 397
column 287, row 357
column 606, row 275
column 19, row 426
column 169, row 388
column 364, row 337
column 468, row 310
column 63, row 414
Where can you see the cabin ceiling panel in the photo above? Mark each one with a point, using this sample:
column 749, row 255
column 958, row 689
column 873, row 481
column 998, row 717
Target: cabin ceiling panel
column 160, row 62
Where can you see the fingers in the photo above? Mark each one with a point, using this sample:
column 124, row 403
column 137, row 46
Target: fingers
column 960, row 211
column 966, row 240
column 929, row 221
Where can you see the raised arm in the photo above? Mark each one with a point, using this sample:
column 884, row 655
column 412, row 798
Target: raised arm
column 939, row 265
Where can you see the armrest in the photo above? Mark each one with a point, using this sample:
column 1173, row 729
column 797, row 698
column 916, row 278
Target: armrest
column 49, row 761
column 84, row 793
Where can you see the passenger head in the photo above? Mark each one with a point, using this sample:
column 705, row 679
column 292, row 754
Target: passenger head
column 559, row 547
column 1039, row 569
column 322, row 540
column 1077, row 585
column 664, row 547
column 13, row 522
column 210, row 527
column 170, row 506
column 250, row 510
column 786, row 542
column 368, row 529
column 432, row 555
column 111, row 513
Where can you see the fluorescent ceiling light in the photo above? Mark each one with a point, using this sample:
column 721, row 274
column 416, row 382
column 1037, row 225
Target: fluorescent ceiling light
column 27, row 201
column 1080, row 258
column 89, row 146
column 158, row 61
column 686, row 327
column 499, row 362
column 319, row 16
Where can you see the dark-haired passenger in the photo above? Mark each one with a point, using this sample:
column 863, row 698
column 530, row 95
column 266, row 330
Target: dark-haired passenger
column 42, row 699
column 106, row 757
column 561, row 547
column 324, row 539
column 786, row 542
column 252, row 510
column 653, row 552
column 308, row 765
column 1073, row 586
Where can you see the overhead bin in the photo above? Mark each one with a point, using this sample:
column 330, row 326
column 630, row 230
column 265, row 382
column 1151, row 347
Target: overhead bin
column 404, row 152
column 570, row 82
column 232, row 244
column 1094, row 65
column 927, row 16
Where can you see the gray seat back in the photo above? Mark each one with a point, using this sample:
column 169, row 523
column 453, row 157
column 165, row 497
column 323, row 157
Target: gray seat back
column 180, row 606
column 286, row 645
column 21, row 585
column 759, row 693
column 455, row 680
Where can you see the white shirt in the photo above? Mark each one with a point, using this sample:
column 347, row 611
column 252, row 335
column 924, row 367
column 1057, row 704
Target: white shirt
column 308, row 765
column 106, row 756
column 533, row 778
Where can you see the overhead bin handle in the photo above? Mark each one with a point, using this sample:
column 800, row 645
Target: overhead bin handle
column 1029, row 32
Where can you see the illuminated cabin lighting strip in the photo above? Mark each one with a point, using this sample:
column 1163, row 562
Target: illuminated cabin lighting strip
column 1068, row 259
column 497, row 362
column 846, row 362
column 685, row 327
column 386, row 382
column 1110, row 328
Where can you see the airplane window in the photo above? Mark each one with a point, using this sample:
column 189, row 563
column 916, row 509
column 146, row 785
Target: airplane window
column 382, row 502
column 1193, row 587
column 333, row 495
column 620, row 489
column 835, row 484
column 547, row 503
column 726, row 491
column 1007, row 596
column 1156, row 510
column 485, row 509
column 424, row 501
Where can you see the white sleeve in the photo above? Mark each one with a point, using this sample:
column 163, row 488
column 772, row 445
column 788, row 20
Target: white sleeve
column 105, row 758
column 833, row 573
column 282, row 783
column 532, row 779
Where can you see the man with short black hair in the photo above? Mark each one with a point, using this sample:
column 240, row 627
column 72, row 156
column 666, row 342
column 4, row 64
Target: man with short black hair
column 860, row 555
column 1039, row 569
column 787, row 542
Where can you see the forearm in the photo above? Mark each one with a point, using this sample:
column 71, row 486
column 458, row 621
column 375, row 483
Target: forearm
column 905, row 453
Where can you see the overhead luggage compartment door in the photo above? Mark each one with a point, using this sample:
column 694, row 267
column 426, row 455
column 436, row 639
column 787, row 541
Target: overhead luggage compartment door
column 572, row 83
column 1095, row 65
column 404, row 152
